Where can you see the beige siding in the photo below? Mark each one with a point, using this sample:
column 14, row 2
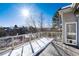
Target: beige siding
column 78, row 31
column 69, row 17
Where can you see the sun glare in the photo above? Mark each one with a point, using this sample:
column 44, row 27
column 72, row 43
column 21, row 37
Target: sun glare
column 25, row 12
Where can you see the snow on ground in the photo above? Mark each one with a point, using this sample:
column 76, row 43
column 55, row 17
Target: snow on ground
column 16, row 52
column 50, row 39
column 27, row 49
column 45, row 40
column 35, row 46
column 40, row 43
column 6, row 54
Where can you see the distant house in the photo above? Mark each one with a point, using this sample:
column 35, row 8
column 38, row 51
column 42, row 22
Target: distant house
column 70, row 24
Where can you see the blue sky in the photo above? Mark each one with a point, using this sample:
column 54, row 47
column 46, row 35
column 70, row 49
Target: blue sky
column 10, row 13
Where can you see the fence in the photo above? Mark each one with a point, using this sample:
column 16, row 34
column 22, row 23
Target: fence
column 11, row 42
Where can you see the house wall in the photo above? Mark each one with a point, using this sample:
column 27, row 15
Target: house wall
column 78, row 31
column 67, row 17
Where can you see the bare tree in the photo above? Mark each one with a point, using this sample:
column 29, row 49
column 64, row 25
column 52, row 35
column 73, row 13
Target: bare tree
column 33, row 22
column 41, row 21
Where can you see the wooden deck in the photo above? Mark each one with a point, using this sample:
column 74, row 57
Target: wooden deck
column 30, row 48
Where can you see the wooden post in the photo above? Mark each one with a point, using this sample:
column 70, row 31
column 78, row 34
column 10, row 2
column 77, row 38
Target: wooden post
column 12, row 42
column 31, row 43
column 23, row 39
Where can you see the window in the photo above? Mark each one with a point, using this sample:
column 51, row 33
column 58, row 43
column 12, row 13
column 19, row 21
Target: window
column 71, row 28
column 71, row 31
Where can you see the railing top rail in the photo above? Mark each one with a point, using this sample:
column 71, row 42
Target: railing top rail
column 27, row 34
column 11, row 36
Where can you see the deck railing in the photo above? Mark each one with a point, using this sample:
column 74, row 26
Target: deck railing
column 11, row 42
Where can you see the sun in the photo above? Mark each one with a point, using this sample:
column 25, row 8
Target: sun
column 25, row 12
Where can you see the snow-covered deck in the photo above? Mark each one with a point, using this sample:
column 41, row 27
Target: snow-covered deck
column 29, row 48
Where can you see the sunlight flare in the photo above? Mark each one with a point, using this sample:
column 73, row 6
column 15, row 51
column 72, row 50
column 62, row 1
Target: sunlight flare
column 25, row 12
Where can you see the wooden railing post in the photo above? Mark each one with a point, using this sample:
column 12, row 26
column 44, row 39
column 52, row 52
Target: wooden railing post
column 12, row 42
column 23, row 39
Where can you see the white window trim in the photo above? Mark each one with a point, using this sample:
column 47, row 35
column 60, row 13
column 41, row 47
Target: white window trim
column 66, row 31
